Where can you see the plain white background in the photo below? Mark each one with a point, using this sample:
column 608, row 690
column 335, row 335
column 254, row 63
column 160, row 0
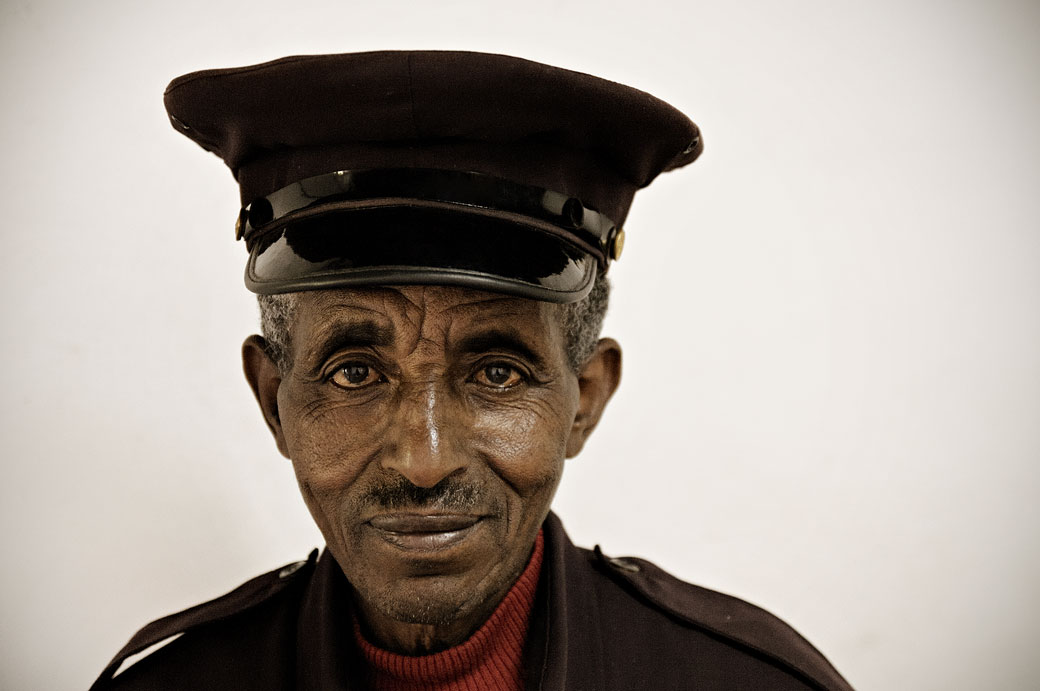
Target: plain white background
column 831, row 400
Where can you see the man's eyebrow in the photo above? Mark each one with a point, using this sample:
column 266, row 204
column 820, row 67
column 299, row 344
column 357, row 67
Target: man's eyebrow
column 499, row 339
column 357, row 334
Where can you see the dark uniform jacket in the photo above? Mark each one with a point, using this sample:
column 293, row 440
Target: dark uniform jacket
column 598, row 623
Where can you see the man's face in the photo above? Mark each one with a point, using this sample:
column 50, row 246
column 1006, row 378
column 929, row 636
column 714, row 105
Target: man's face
column 428, row 428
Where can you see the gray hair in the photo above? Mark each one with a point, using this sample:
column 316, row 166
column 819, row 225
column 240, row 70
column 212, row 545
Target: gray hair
column 581, row 322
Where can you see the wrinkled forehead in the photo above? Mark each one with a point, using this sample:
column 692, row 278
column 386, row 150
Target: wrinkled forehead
column 425, row 311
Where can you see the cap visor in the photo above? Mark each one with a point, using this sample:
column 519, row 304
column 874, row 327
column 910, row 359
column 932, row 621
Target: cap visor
column 408, row 245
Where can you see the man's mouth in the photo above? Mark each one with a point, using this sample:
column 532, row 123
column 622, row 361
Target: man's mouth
column 421, row 532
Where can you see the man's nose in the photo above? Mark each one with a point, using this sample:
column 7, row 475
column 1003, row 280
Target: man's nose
column 421, row 443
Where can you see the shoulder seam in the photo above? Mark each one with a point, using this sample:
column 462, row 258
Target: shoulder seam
column 250, row 594
column 620, row 570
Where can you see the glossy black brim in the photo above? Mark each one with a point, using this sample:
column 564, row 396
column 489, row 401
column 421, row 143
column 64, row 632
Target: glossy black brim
column 409, row 245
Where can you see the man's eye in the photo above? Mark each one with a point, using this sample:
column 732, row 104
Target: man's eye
column 354, row 375
column 499, row 376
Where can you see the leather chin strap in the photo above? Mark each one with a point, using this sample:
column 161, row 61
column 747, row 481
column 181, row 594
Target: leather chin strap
column 473, row 191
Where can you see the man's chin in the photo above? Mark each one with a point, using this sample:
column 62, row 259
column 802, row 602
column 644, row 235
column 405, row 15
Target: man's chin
column 430, row 601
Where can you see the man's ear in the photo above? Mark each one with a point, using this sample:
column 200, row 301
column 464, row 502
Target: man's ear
column 264, row 379
column 597, row 381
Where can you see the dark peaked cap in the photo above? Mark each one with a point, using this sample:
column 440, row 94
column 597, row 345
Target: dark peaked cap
column 430, row 167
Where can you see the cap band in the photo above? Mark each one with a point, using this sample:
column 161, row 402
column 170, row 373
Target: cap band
column 474, row 191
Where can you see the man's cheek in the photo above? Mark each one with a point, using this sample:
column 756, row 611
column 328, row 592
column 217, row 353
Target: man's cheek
column 530, row 431
column 332, row 445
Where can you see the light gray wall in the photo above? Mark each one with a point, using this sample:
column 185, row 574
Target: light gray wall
column 831, row 401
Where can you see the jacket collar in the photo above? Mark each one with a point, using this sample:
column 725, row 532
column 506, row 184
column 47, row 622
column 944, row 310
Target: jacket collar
column 325, row 652
column 564, row 645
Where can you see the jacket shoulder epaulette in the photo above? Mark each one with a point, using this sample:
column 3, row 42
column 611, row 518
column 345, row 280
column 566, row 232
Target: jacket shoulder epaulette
column 245, row 597
column 726, row 617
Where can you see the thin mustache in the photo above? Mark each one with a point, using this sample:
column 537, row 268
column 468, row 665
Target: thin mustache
column 447, row 494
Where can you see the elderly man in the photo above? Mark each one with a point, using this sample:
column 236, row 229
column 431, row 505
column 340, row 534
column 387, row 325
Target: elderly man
column 429, row 234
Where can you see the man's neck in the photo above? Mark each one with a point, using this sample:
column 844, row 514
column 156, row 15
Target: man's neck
column 407, row 638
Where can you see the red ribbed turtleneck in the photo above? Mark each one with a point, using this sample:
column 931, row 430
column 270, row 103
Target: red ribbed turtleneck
column 489, row 660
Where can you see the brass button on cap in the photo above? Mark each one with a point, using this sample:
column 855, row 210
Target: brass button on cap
column 618, row 244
